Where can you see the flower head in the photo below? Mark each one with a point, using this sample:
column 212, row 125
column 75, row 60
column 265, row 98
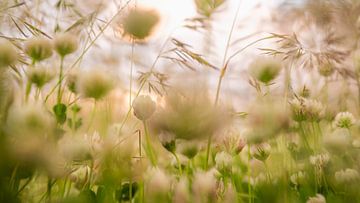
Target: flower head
column 344, row 120
column 95, row 84
column 265, row 70
column 38, row 48
column 65, row 43
column 8, row 54
column 144, row 107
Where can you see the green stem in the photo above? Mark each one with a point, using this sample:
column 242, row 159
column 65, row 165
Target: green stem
column 178, row 162
column 207, row 153
column 60, row 79
column 148, row 146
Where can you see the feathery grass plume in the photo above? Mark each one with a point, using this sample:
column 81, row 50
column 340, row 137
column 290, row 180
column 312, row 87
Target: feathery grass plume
column 40, row 75
column 8, row 54
column 207, row 7
column 38, row 48
column 192, row 117
column 273, row 118
column 144, row 107
column 139, row 23
column 95, row 84
column 344, row 120
column 265, row 70
column 65, row 43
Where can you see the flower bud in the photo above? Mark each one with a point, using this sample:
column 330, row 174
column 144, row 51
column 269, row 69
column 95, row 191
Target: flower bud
column 38, row 48
column 95, row 84
column 265, row 70
column 8, row 55
column 168, row 141
column 65, row 44
column 188, row 148
column 144, row 107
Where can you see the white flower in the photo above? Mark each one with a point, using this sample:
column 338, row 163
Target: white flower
column 344, row 120
column 144, row 107
column 320, row 159
column 313, row 109
column 317, row 199
column 223, row 161
column 346, row 176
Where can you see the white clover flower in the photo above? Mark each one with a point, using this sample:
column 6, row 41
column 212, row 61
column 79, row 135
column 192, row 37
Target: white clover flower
column 344, row 120
column 347, row 176
column 261, row 151
column 320, row 159
column 313, row 109
column 317, row 199
column 223, row 161
column 298, row 178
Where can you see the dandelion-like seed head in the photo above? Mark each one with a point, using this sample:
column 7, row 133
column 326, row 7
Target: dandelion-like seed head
column 344, row 120
column 65, row 43
column 144, row 107
column 95, row 84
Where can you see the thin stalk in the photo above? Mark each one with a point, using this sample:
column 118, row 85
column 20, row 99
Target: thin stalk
column 249, row 174
column 131, row 70
column 92, row 116
column 178, row 162
column 60, row 79
column 148, row 146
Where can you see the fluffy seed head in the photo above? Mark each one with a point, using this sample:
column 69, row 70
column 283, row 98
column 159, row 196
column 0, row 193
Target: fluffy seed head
column 223, row 161
column 40, row 75
column 38, row 48
column 347, row 176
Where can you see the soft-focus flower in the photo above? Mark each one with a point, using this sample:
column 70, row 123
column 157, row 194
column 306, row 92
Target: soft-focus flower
column 188, row 148
column 347, row 176
column 261, row 151
column 326, row 69
column 95, row 84
column 181, row 191
column 8, row 54
column 306, row 109
column 157, row 185
column 139, row 23
column 204, row 186
column 40, row 75
column 207, row 7
column 298, row 178
column 65, row 43
column 168, row 141
column 338, row 141
column 144, row 107
column 38, row 48
column 317, row 199
column 320, row 159
column 344, row 120
column 265, row 70
column 223, row 161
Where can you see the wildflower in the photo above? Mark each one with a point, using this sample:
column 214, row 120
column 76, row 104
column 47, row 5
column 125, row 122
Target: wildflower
column 144, row 107
column 344, row 120
column 306, row 109
column 298, row 178
column 207, row 7
column 38, row 49
column 168, row 141
column 95, row 84
column 40, row 75
column 261, row 151
column 157, row 185
column 190, row 118
column 265, row 70
column 8, row 54
column 320, row 159
column 65, row 43
column 204, row 187
column 326, row 69
column 140, row 23
column 181, row 191
column 347, row 176
column 223, row 161
column 317, row 199
column 188, row 148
